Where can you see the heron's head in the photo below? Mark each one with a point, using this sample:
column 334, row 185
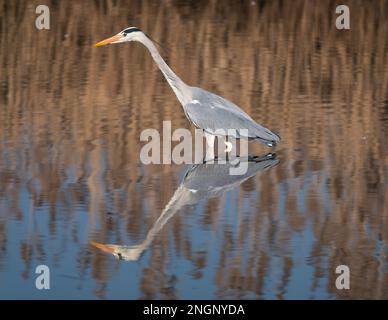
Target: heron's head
column 128, row 34
column 128, row 253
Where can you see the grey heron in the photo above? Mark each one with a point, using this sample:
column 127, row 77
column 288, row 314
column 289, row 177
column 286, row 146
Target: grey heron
column 207, row 111
column 201, row 181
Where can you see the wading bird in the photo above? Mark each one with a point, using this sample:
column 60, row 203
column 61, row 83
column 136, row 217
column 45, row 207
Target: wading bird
column 207, row 111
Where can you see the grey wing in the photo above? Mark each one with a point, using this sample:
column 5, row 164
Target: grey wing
column 216, row 115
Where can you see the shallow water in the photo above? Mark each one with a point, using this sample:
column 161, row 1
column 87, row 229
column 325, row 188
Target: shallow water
column 71, row 179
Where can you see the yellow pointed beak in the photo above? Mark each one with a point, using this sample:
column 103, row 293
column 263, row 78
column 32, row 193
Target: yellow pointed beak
column 108, row 41
column 103, row 247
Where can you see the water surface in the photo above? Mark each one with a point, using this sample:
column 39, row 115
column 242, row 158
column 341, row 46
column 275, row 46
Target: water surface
column 70, row 174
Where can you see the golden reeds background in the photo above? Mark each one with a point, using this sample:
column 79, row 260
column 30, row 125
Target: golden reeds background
column 71, row 117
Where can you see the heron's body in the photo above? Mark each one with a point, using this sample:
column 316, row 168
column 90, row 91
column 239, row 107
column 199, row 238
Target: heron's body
column 211, row 113
column 208, row 111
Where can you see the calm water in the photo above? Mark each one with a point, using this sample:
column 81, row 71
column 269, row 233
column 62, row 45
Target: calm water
column 71, row 180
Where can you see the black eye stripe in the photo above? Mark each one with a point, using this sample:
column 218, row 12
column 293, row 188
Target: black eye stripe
column 129, row 30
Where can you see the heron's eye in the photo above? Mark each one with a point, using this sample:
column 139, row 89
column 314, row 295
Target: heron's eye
column 124, row 34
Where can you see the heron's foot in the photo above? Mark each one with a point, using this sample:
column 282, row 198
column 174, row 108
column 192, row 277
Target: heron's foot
column 229, row 146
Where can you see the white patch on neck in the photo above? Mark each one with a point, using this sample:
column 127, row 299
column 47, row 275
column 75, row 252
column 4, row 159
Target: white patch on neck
column 195, row 102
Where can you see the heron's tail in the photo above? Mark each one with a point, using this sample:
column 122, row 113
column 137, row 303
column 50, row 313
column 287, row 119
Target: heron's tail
column 270, row 142
column 266, row 136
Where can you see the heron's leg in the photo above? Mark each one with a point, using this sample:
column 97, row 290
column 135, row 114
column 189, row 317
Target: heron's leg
column 228, row 144
column 209, row 146
column 210, row 140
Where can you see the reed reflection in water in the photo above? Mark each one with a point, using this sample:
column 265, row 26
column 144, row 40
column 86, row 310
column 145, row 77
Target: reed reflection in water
column 70, row 121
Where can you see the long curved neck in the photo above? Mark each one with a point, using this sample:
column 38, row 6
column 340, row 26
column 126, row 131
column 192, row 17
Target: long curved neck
column 180, row 89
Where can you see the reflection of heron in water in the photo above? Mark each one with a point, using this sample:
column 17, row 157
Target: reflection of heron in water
column 212, row 113
column 201, row 181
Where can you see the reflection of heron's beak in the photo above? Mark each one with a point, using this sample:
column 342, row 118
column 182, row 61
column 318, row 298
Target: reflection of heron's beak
column 104, row 247
column 110, row 40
